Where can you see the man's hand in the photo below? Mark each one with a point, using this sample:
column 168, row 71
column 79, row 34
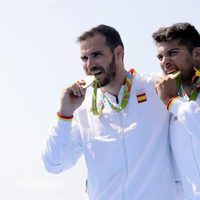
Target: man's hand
column 166, row 88
column 72, row 98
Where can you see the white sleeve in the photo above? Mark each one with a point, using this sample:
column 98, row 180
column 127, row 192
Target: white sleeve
column 188, row 114
column 62, row 147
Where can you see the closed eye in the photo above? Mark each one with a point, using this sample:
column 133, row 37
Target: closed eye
column 84, row 58
column 97, row 54
column 159, row 57
column 173, row 53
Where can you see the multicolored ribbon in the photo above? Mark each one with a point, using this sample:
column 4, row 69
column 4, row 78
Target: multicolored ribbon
column 97, row 110
column 195, row 87
column 196, row 84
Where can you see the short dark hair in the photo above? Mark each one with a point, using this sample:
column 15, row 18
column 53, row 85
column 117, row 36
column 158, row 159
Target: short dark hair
column 184, row 32
column 111, row 35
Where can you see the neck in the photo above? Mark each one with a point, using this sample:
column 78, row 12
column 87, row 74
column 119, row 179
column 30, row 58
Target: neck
column 187, row 88
column 114, row 87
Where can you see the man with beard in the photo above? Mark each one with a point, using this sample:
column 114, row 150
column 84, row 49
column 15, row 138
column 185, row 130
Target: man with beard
column 178, row 50
column 121, row 128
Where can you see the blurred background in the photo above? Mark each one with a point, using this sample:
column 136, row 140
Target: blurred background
column 39, row 56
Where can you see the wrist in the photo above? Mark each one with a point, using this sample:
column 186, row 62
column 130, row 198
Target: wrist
column 65, row 112
column 64, row 117
column 166, row 100
column 170, row 102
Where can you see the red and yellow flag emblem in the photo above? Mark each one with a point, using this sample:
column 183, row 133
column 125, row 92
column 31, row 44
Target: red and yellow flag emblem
column 141, row 97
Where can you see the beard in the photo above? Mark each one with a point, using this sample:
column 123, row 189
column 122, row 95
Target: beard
column 187, row 78
column 189, row 73
column 107, row 75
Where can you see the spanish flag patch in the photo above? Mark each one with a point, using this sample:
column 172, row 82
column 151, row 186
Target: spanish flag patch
column 141, row 97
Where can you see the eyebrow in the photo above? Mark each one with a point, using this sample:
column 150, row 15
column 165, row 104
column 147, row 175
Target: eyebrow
column 173, row 49
column 95, row 52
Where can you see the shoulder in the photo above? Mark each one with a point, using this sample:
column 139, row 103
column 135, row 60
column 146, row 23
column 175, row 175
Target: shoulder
column 147, row 79
column 145, row 84
column 145, row 92
column 151, row 77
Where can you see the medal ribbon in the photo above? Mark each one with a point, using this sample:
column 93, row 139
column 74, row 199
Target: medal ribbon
column 97, row 110
column 196, row 84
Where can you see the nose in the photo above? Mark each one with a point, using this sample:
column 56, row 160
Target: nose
column 165, row 62
column 91, row 64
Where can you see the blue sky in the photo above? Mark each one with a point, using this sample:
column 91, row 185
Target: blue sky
column 39, row 56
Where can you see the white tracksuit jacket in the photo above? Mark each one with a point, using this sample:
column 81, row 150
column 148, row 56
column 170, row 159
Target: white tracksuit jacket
column 185, row 142
column 127, row 153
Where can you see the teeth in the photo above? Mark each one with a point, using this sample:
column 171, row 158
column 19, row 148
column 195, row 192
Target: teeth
column 88, row 81
column 174, row 75
column 97, row 73
column 170, row 71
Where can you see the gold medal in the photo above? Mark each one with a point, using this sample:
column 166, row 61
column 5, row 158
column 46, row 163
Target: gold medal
column 174, row 75
column 88, row 81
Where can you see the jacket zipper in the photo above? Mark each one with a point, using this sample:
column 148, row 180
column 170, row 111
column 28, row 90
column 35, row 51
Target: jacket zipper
column 124, row 152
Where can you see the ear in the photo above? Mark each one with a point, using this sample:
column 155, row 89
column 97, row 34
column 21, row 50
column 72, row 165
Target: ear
column 119, row 52
column 196, row 53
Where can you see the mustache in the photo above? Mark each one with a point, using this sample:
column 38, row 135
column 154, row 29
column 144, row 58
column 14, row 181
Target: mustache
column 95, row 69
